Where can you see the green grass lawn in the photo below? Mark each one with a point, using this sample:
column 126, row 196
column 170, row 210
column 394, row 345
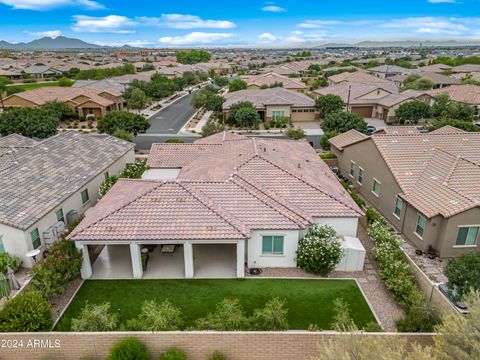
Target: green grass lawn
column 308, row 301
column 34, row 86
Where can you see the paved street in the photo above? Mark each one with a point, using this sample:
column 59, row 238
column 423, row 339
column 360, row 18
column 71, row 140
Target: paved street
column 172, row 118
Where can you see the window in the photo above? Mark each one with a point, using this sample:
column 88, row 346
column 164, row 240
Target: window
column 376, row 187
column 59, row 215
column 467, row 236
column 420, row 228
column 272, row 245
column 361, row 174
column 398, row 207
column 352, row 168
column 85, row 197
column 35, row 235
column 2, row 248
column 277, row 114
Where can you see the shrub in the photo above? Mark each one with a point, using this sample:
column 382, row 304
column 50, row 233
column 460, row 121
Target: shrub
column 129, row 348
column 273, row 317
column 464, row 272
column 107, row 184
column 135, row 170
column 95, row 317
column 13, row 262
column 342, row 121
column 243, row 114
column 413, row 111
column 14, row 90
column 295, row 133
column 26, row 312
column 320, row 250
column 217, row 355
column 212, row 127
column 155, row 317
column 173, row 354
column 133, row 123
column 61, row 263
column 228, row 316
column 421, row 318
column 372, row 326
column 327, row 136
column 328, row 156
column 342, row 321
column 124, row 135
column 175, row 141
column 329, row 103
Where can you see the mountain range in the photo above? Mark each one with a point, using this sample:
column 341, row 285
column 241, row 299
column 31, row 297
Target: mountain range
column 48, row 43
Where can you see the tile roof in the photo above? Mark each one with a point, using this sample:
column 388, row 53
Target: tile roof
column 469, row 94
column 239, row 185
column 437, row 172
column 274, row 96
column 355, row 90
column 347, row 138
column 357, row 76
column 271, row 78
column 43, row 174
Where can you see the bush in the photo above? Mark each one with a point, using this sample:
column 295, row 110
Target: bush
column 228, row 316
column 320, row 250
column 328, row 156
column 372, row 327
column 133, row 123
column 273, row 317
column 14, row 90
column 329, row 103
column 95, row 317
column 154, row 317
column 459, row 124
column 236, row 85
column 175, row 141
column 61, row 263
column 63, row 81
column 342, row 321
column 124, row 135
column 413, row 111
column 217, row 355
column 26, row 312
column 243, row 114
column 420, row 318
column 13, row 262
column 133, row 171
column 212, row 127
column 295, row 133
column 464, row 273
column 342, row 121
column 327, row 136
column 129, row 348
column 173, row 354
column 60, row 110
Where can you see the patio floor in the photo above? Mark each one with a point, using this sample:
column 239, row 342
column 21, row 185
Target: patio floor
column 210, row 261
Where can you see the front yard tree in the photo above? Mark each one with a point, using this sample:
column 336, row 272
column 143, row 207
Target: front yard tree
column 243, row 114
column 320, row 250
column 342, row 121
column 124, row 120
column 236, row 85
column 137, row 99
column 295, row 133
column 60, row 110
column 329, row 103
column 30, row 122
column 464, row 272
column 193, row 57
column 413, row 111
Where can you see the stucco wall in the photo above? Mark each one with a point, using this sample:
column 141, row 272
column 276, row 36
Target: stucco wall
column 285, row 108
column 343, row 226
column 18, row 242
column 290, row 244
column 449, row 233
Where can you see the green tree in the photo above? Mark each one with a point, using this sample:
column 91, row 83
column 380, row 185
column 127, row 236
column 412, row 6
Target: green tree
column 124, row 120
column 212, row 127
column 30, row 122
column 95, row 317
column 295, row 133
column 157, row 317
column 124, row 135
column 329, row 103
column 4, row 81
column 464, row 272
column 14, row 90
column 244, row 114
column 413, row 111
column 444, row 108
column 221, row 81
column 137, row 99
column 460, row 124
column 193, row 57
column 236, row 85
column 272, row 317
column 60, row 110
column 342, row 121
column 440, row 106
column 63, row 81
column 327, row 136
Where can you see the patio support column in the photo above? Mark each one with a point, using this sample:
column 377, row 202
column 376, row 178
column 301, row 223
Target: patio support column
column 86, row 270
column 136, row 261
column 188, row 259
column 241, row 259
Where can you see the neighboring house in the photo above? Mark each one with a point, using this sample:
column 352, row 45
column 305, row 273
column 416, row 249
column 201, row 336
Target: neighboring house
column 424, row 184
column 439, row 80
column 101, row 85
column 275, row 102
column 45, row 185
column 357, row 76
column 436, row 68
column 265, row 80
column 239, row 200
column 466, row 69
column 85, row 101
column 467, row 94
column 42, row 71
column 388, row 71
column 11, row 74
column 372, row 100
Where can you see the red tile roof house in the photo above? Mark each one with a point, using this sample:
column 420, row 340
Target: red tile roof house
column 255, row 196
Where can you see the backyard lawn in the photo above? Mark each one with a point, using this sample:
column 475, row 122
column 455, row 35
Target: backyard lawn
column 33, row 86
column 308, row 301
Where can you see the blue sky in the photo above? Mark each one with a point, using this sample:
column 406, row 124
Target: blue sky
column 188, row 23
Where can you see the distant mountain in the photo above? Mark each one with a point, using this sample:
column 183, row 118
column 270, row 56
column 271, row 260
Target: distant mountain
column 47, row 43
column 404, row 43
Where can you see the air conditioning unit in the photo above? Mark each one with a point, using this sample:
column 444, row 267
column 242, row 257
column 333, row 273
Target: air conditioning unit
column 59, row 228
column 50, row 236
column 72, row 216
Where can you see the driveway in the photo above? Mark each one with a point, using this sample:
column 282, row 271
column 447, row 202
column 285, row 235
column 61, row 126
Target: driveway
column 172, row 118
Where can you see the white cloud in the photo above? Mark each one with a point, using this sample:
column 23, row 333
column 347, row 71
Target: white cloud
column 195, row 38
column 441, row 1
column 49, row 33
column 107, row 24
column 49, row 4
column 297, row 32
column 273, row 8
column 315, row 24
column 133, row 43
column 180, row 21
column 428, row 25
column 266, row 38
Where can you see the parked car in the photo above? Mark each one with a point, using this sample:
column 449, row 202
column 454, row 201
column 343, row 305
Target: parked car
column 452, row 295
column 371, row 129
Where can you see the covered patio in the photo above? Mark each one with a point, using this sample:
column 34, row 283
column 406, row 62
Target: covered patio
column 188, row 260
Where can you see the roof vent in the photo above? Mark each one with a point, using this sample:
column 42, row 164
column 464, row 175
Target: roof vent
column 180, row 199
column 156, row 199
column 210, row 228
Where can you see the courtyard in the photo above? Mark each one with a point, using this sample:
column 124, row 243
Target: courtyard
column 309, row 301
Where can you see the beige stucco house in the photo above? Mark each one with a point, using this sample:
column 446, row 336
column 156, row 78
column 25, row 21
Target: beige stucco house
column 426, row 185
